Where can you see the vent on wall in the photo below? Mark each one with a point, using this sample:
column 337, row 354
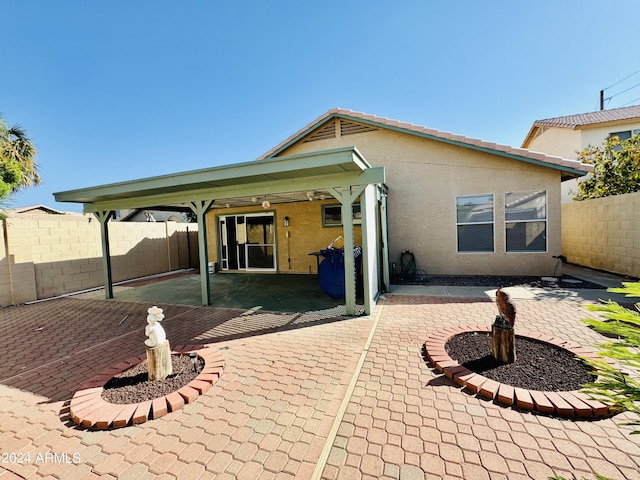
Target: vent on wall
column 346, row 128
column 350, row 128
column 323, row 132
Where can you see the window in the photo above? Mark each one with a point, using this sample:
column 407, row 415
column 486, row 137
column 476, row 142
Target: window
column 474, row 222
column 525, row 215
column 624, row 135
column 332, row 215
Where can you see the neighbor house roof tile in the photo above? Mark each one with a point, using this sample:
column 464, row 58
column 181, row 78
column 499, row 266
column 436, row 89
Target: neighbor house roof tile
column 591, row 118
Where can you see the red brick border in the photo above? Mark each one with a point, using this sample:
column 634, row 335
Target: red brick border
column 90, row 410
column 564, row 404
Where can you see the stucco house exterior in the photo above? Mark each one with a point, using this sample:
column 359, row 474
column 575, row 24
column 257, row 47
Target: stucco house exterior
column 566, row 136
column 461, row 205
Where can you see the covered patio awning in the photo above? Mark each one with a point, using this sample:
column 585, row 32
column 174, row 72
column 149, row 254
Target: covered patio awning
column 344, row 173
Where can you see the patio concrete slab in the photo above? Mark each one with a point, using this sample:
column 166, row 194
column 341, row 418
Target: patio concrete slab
column 302, row 395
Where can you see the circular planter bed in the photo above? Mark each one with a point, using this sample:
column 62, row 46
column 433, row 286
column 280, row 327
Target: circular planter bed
column 120, row 396
column 527, row 385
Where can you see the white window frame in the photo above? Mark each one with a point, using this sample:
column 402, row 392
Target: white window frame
column 536, row 220
column 492, row 222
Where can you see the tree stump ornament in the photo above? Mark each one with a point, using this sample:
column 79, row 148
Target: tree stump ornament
column 157, row 346
column 503, row 338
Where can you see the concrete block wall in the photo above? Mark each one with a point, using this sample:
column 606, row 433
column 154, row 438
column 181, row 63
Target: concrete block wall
column 45, row 256
column 603, row 233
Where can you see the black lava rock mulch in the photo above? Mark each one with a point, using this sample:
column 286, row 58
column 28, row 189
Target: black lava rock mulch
column 133, row 385
column 538, row 365
column 496, row 281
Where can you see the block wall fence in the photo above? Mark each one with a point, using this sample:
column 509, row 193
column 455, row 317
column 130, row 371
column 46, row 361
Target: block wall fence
column 603, row 233
column 42, row 256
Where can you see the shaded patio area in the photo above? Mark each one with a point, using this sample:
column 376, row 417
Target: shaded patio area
column 248, row 291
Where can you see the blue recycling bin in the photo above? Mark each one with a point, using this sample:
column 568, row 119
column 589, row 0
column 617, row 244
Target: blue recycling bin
column 331, row 271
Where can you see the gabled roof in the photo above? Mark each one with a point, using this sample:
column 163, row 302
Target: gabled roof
column 577, row 121
column 571, row 168
column 39, row 209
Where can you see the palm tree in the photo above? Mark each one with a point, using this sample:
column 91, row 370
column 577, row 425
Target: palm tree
column 16, row 150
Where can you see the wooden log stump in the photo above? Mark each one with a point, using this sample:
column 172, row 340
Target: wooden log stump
column 503, row 341
column 159, row 361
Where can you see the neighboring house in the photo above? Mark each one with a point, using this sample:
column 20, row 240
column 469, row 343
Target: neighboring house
column 567, row 136
column 463, row 206
column 34, row 210
column 149, row 215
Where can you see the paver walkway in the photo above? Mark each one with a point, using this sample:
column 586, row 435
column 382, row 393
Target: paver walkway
column 301, row 395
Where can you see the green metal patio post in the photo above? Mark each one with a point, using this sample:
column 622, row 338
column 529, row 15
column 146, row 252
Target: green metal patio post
column 200, row 208
column 104, row 217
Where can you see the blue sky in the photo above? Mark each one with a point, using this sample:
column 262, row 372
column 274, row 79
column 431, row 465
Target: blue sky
column 117, row 90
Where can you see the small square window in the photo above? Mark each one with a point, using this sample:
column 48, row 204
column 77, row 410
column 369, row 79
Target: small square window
column 332, row 215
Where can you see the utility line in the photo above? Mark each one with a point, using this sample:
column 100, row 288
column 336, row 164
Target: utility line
column 632, row 101
column 620, row 81
column 623, row 91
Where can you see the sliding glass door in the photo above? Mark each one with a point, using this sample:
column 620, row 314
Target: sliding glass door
column 247, row 242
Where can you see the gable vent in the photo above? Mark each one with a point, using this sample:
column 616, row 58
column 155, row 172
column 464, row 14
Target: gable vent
column 350, row 128
column 322, row 133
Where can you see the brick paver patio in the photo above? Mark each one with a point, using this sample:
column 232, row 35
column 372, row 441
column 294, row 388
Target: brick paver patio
column 301, row 396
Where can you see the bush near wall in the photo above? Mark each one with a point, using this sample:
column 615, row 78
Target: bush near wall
column 42, row 256
column 603, row 233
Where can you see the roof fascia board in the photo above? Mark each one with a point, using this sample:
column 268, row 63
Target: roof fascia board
column 266, row 167
column 374, row 175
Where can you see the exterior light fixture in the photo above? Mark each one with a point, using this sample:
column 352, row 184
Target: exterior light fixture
column 311, row 196
column 285, row 221
column 254, row 199
column 266, row 204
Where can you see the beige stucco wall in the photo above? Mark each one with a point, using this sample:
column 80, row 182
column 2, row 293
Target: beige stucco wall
column 425, row 176
column 306, row 233
column 604, row 233
column 563, row 142
column 42, row 256
column 597, row 135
